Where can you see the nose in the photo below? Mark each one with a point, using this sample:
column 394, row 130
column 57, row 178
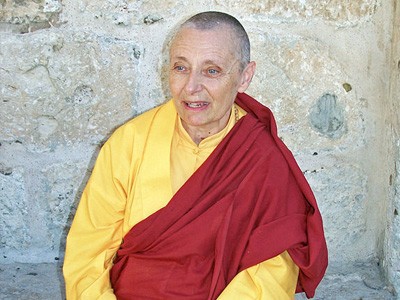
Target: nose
column 194, row 83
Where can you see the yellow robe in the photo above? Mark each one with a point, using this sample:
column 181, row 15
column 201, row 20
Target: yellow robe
column 137, row 172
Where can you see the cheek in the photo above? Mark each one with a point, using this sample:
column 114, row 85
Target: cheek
column 232, row 84
column 229, row 91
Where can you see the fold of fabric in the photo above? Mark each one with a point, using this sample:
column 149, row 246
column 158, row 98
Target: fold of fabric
column 247, row 203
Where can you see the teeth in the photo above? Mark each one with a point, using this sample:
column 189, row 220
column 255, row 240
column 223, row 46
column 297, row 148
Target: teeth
column 195, row 105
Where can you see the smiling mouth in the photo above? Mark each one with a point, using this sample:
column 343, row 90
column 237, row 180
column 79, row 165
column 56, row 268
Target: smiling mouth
column 196, row 104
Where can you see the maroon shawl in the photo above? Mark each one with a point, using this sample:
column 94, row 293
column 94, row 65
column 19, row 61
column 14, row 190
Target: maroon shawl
column 247, row 203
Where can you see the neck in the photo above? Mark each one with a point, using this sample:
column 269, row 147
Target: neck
column 199, row 133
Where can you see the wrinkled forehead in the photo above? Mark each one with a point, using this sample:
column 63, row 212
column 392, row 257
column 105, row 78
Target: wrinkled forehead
column 192, row 38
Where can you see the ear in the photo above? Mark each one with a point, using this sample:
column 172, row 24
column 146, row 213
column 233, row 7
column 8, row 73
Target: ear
column 247, row 76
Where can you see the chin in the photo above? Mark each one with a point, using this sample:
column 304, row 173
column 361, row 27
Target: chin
column 194, row 122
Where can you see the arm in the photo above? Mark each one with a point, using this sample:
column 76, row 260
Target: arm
column 96, row 232
column 275, row 278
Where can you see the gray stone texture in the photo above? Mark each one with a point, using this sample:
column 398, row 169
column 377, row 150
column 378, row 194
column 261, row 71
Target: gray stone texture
column 72, row 71
column 22, row 16
column 14, row 209
column 391, row 261
column 64, row 87
column 343, row 208
column 337, row 11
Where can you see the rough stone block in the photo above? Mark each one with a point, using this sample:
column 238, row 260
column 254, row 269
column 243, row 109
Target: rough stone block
column 115, row 13
column 38, row 197
column 336, row 11
column 62, row 189
column 27, row 16
column 64, row 87
column 341, row 192
column 304, row 85
column 392, row 245
column 14, row 210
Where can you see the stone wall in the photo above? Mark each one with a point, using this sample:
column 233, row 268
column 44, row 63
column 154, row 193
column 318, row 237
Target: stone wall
column 71, row 71
column 392, row 243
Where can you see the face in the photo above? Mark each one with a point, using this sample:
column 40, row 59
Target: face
column 205, row 76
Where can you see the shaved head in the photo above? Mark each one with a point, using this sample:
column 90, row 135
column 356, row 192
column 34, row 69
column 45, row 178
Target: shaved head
column 213, row 20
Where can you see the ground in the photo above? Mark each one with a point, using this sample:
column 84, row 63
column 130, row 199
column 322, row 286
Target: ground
column 44, row 281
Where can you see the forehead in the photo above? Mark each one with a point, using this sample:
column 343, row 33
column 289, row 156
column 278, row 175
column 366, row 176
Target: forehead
column 218, row 43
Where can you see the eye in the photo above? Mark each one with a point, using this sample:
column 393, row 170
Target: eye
column 212, row 72
column 179, row 68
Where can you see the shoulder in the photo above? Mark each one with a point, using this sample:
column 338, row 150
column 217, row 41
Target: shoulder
column 139, row 126
column 265, row 143
column 126, row 145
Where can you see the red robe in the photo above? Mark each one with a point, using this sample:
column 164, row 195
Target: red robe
column 247, row 203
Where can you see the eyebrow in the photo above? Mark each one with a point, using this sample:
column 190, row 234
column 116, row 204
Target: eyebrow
column 179, row 58
column 206, row 62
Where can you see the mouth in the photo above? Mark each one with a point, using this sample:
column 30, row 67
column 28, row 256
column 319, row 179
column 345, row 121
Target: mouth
column 196, row 105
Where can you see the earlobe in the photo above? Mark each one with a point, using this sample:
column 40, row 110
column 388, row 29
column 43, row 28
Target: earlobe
column 247, row 76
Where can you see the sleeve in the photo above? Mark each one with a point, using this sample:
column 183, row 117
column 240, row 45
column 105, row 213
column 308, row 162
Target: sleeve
column 96, row 232
column 275, row 278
